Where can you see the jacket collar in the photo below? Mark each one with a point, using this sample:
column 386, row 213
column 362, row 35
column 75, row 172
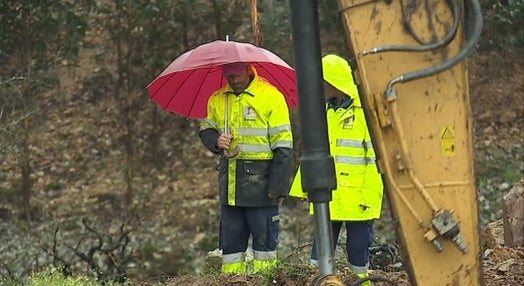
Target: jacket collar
column 345, row 103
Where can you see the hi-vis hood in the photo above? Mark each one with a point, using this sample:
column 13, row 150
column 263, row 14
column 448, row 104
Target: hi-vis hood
column 337, row 72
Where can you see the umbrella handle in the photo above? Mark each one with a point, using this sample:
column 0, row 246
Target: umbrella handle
column 234, row 154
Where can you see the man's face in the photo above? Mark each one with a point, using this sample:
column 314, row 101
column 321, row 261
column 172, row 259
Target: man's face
column 237, row 75
column 330, row 91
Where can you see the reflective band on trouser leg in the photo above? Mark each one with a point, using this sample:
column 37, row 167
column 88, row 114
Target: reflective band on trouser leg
column 358, row 269
column 234, row 263
column 364, row 275
column 313, row 262
column 264, row 260
column 236, row 268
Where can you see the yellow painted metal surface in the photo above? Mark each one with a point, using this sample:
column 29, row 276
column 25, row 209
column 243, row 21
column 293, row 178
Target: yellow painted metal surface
column 423, row 136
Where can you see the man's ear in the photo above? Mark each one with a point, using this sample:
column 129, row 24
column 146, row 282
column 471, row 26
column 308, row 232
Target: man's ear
column 250, row 71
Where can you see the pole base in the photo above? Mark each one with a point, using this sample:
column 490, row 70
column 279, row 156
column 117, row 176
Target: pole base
column 331, row 280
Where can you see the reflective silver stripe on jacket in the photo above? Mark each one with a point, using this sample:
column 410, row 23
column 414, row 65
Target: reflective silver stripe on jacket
column 354, row 143
column 282, row 144
column 254, row 148
column 252, row 131
column 350, row 143
column 208, row 122
column 351, row 160
column 278, row 129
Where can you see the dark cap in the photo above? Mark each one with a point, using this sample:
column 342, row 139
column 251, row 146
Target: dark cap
column 234, row 68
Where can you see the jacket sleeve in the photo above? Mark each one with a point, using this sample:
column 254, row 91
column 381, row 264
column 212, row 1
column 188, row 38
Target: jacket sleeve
column 281, row 140
column 280, row 172
column 208, row 128
column 209, row 138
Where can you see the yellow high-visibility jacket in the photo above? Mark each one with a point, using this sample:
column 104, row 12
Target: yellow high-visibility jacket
column 258, row 119
column 358, row 195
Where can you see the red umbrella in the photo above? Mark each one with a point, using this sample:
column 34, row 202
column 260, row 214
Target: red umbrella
column 185, row 86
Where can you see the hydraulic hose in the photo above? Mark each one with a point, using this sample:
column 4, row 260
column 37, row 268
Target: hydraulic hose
column 473, row 30
column 443, row 42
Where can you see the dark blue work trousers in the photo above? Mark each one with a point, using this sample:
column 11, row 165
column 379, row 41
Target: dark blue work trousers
column 360, row 235
column 237, row 224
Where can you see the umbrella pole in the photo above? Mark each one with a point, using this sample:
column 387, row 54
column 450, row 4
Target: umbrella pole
column 226, row 115
column 226, row 129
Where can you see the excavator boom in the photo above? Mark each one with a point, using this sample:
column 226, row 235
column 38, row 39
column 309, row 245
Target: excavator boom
column 411, row 69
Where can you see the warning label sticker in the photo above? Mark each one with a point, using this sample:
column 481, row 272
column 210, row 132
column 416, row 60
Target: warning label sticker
column 447, row 140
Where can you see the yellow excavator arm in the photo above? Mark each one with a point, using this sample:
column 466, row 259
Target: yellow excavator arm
column 411, row 68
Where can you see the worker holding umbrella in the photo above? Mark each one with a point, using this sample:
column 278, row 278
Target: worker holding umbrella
column 241, row 93
column 248, row 123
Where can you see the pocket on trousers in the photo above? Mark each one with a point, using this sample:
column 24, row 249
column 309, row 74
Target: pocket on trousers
column 273, row 226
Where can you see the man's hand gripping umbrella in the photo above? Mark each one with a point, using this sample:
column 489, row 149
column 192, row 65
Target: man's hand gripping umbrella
column 224, row 140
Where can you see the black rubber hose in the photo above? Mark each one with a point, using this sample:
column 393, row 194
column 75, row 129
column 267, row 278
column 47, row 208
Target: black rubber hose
column 473, row 30
column 443, row 42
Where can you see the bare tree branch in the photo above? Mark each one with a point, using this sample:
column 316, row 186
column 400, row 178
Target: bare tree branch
column 12, row 79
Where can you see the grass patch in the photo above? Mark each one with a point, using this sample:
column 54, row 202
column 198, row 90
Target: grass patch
column 55, row 277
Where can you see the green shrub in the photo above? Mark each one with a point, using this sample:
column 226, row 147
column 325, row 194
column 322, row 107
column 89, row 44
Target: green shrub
column 55, row 277
column 503, row 23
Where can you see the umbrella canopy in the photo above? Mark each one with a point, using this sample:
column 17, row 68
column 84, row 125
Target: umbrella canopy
column 185, row 86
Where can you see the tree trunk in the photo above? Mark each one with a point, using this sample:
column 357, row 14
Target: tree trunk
column 218, row 19
column 25, row 168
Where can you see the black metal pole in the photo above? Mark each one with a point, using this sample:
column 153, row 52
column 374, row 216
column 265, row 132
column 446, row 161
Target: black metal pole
column 317, row 165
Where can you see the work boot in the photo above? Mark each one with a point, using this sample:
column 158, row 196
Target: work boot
column 364, row 275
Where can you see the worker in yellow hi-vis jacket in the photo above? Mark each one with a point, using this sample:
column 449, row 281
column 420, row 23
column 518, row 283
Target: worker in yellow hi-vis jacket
column 248, row 123
column 357, row 200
